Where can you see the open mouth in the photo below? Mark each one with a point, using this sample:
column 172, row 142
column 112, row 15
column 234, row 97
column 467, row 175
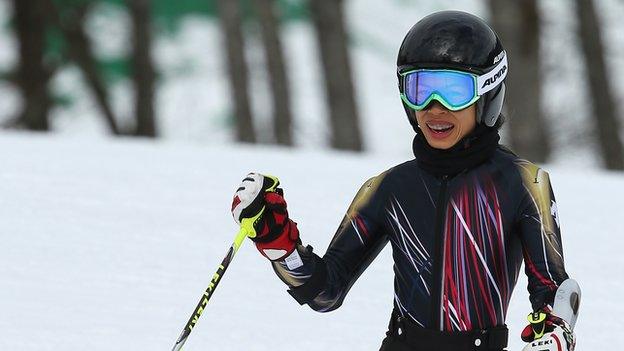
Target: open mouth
column 440, row 128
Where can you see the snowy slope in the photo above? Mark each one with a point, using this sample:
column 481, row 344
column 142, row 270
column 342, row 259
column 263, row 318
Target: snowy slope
column 109, row 245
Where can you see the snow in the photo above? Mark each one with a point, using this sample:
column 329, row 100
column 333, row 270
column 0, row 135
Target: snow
column 108, row 245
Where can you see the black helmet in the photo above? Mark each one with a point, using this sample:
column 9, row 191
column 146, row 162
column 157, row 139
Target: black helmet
column 460, row 41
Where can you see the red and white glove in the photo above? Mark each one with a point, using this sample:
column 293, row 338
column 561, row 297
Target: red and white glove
column 547, row 332
column 276, row 236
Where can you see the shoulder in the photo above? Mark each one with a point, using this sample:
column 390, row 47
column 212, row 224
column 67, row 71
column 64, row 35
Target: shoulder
column 522, row 173
column 534, row 179
column 390, row 174
column 532, row 175
column 397, row 173
column 528, row 171
column 372, row 185
column 376, row 188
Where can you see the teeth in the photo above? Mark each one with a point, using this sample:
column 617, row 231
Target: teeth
column 439, row 126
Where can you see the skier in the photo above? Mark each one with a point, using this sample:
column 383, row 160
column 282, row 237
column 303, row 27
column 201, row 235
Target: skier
column 461, row 217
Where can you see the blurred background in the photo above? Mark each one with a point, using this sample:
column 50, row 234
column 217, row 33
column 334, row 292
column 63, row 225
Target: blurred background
column 297, row 73
column 126, row 126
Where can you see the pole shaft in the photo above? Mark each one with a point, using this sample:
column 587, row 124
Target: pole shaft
column 216, row 278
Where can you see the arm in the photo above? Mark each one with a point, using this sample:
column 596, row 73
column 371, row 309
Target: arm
column 323, row 283
column 540, row 236
column 544, row 265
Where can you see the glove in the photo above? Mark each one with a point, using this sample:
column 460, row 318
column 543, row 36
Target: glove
column 259, row 207
column 547, row 332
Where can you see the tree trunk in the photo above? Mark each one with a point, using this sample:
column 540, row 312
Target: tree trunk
column 70, row 21
column 32, row 77
column 142, row 67
column 332, row 39
column 607, row 123
column 231, row 24
column 518, row 25
column 282, row 116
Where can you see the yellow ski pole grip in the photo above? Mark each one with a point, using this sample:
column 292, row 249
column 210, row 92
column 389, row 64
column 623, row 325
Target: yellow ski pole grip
column 275, row 184
column 248, row 224
column 537, row 320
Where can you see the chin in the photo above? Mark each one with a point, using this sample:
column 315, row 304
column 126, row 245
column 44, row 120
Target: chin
column 441, row 144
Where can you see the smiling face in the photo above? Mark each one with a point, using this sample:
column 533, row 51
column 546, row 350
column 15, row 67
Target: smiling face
column 442, row 127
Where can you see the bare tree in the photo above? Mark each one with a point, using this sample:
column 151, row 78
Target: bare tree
column 142, row 67
column 518, row 24
column 71, row 20
column 32, row 75
column 328, row 18
column 282, row 117
column 231, row 23
column 607, row 123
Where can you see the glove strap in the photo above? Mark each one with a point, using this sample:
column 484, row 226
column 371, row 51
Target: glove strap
column 248, row 225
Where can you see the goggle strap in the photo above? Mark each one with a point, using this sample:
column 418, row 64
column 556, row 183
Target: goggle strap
column 493, row 78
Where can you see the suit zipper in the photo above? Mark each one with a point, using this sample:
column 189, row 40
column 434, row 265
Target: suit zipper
column 438, row 258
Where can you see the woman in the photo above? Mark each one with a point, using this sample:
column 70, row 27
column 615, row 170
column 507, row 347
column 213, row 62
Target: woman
column 460, row 217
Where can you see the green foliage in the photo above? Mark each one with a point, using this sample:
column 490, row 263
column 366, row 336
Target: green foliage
column 288, row 10
column 66, row 4
column 168, row 13
column 55, row 45
column 167, row 16
column 62, row 100
column 294, row 10
column 114, row 69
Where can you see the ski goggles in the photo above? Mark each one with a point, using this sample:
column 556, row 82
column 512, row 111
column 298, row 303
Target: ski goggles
column 454, row 89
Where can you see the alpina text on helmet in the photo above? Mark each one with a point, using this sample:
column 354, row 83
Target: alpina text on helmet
column 493, row 79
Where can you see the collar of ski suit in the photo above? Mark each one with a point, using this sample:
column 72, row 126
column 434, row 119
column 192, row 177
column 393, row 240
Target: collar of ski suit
column 473, row 150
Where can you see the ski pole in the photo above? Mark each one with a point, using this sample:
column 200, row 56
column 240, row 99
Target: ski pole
column 246, row 229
